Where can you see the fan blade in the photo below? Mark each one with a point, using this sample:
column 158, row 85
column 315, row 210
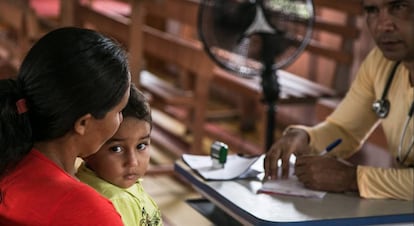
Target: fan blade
column 233, row 16
column 270, row 33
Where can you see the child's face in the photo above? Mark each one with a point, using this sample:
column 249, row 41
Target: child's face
column 125, row 157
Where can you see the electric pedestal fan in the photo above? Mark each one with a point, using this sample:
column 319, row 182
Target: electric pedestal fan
column 256, row 38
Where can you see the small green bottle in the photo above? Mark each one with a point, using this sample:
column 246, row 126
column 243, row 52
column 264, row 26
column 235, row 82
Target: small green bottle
column 218, row 154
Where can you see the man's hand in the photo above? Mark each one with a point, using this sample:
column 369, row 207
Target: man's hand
column 294, row 141
column 326, row 174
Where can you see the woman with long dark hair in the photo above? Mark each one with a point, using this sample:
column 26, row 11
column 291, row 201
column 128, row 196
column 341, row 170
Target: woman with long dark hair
column 65, row 102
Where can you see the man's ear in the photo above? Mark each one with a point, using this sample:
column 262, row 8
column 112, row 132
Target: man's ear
column 82, row 123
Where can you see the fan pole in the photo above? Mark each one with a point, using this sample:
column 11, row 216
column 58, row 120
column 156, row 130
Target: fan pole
column 270, row 85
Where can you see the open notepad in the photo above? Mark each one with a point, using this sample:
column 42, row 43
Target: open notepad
column 239, row 167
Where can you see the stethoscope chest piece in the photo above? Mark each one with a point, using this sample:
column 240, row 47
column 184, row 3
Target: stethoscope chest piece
column 381, row 108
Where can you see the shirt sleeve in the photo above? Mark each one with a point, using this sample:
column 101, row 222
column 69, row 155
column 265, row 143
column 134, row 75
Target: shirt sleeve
column 378, row 183
column 352, row 121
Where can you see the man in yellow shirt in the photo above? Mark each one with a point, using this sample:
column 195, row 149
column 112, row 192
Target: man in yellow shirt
column 382, row 93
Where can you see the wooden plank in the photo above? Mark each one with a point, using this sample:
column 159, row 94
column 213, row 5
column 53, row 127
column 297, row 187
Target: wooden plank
column 186, row 54
column 163, row 91
column 352, row 7
column 343, row 30
column 115, row 26
column 12, row 13
column 182, row 11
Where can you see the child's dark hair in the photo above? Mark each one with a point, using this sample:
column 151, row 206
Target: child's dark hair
column 68, row 73
column 138, row 106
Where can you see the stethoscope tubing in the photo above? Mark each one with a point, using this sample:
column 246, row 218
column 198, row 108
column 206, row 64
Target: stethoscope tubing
column 402, row 138
column 381, row 107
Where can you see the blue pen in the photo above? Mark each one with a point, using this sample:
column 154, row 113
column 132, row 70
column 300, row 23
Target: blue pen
column 331, row 146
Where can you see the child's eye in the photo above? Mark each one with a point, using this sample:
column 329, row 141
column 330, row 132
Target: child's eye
column 116, row 149
column 142, row 146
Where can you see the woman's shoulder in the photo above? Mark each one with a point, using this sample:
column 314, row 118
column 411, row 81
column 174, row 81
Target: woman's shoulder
column 83, row 202
column 80, row 192
column 60, row 197
column 45, row 177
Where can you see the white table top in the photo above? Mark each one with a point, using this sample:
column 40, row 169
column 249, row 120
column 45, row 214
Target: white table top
column 240, row 199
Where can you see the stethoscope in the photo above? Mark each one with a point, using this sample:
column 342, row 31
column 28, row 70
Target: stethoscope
column 403, row 135
column 382, row 107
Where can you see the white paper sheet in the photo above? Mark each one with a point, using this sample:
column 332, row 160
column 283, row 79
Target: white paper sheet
column 290, row 186
column 235, row 166
column 241, row 167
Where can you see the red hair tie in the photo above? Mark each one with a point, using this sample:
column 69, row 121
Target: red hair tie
column 21, row 106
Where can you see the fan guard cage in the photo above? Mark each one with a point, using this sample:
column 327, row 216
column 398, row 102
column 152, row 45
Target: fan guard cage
column 225, row 30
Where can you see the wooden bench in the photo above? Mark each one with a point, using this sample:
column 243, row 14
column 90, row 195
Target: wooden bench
column 20, row 26
column 14, row 41
column 295, row 87
column 323, row 70
column 330, row 53
column 184, row 104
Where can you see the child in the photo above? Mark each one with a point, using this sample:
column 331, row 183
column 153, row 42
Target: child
column 117, row 168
